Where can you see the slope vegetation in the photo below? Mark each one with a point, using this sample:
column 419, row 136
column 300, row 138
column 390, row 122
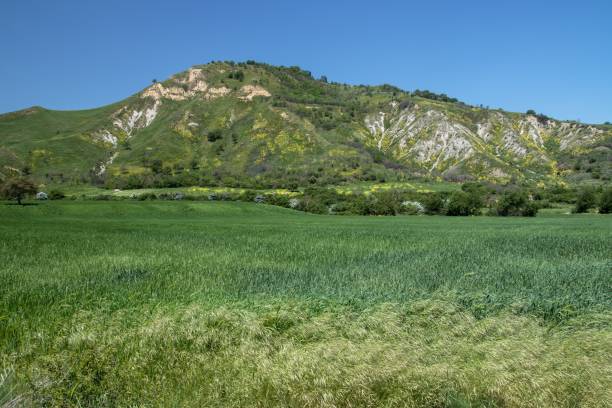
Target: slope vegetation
column 253, row 124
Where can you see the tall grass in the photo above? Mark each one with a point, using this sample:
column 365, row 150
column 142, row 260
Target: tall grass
column 234, row 304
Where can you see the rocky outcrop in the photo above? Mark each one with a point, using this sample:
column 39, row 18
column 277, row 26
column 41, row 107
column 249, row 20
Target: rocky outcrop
column 438, row 140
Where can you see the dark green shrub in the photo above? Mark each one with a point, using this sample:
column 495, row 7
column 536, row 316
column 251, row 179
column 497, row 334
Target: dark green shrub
column 584, row 201
column 530, row 209
column 605, row 201
column 515, row 203
column 103, row 197
column 214, row 135
column 280, row 200
column 147, row 196
column 386, row 203
column 543, row 204
column 461, row 203
column 312, row 205
column 433, row 203
column 56, row 195
column 344, row 207
column 248, row 195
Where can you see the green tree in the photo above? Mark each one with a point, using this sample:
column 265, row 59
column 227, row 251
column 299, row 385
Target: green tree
column 157, row 166
column 476, row 196
column 465, row 203
column 605, row 201
column 458, row 204
column 433, row 203
column 17, row 189
column 516, row 203
column 214, row 135
column 586, row 199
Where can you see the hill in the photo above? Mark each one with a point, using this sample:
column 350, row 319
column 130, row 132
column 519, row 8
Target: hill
column 256, row 125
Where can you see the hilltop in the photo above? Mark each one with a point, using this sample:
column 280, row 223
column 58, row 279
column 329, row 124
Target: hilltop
column 257, row 125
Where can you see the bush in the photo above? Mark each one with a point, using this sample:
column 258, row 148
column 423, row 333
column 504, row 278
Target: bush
column 530, row 209
column 248, row 195
column 386, row 203
column 280, row 200
column 312, row 205
column 433, row 203
column 461, row 203
column 56, row 195
column 585, row 201
column 146, row 196
column 605, row 201
column 103, row 197
column 516, row 203
column 214, row 135
column 412, row 208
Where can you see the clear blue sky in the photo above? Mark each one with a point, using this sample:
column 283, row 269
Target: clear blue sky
column 551, row 56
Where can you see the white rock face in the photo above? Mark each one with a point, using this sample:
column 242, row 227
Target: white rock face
column 107, row 137
column 151, row 113
column 193, row 85
column 376, row 126
column 439, row 141
column 251, row 91
column 427, row 137
column 213, row 93
column 103, row 166
column 129, row 121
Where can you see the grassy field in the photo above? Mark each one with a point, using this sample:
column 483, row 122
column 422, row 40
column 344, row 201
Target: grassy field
column 235, row 304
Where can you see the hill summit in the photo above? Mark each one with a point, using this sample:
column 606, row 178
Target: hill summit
column 256, row 125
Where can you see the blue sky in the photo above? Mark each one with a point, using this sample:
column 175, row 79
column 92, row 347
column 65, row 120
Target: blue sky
column 551, row 56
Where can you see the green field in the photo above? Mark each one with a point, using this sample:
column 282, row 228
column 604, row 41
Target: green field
column 126, row 303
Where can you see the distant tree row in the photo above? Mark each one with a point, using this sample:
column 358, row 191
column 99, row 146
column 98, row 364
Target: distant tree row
column 239, row 75
column 434, row 96
column 540, row 116
column 588, row 199
column 472, row 199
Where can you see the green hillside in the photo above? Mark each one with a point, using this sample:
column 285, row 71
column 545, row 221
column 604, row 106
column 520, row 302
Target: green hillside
column 260, row 126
